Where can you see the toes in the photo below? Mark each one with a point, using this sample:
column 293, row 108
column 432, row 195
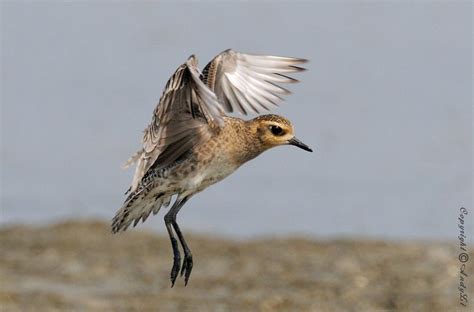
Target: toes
column 185, row 264
column 188, row 269
column 175, row 270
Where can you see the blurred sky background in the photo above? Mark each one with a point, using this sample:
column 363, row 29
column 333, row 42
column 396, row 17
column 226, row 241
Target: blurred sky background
column 386, row 103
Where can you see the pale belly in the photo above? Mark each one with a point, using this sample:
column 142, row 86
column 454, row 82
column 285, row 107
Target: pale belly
column 216, row 170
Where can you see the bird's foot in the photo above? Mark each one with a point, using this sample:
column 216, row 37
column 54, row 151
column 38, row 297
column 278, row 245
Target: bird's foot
column 187, row 267
column 175, row 269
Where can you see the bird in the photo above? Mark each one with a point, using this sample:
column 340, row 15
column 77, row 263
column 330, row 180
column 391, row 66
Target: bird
column 193, row 141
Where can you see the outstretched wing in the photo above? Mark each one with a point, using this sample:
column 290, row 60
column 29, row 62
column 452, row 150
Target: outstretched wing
column 192, row 106
column 187, row 114
column 249, row 83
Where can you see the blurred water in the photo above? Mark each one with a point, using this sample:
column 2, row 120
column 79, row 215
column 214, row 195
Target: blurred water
column 386, row 103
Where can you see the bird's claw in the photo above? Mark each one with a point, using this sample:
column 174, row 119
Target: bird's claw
column 187, row 267
column 175, row 269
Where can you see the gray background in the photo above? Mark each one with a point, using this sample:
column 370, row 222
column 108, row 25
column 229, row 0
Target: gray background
column 386, row 103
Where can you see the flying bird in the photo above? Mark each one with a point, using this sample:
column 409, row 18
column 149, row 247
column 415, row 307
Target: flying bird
column 191, row 143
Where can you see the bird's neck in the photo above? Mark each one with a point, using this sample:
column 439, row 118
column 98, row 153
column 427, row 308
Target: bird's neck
column 246, row 143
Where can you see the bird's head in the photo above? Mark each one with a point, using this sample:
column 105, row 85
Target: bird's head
column 274, row 130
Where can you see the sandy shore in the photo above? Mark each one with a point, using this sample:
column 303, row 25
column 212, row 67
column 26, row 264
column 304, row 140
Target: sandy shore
column 80, row 266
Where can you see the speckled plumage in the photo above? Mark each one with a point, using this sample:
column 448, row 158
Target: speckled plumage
column 191, row 143
column 201, row 167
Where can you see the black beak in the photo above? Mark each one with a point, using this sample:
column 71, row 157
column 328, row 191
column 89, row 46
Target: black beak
column 294, row 141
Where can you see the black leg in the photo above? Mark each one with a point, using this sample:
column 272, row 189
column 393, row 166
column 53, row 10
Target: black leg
column 174, row 245
column 188, row 257
column 170, row 220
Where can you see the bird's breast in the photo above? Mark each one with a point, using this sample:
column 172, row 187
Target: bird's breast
column 220, row 156
column 210, row 171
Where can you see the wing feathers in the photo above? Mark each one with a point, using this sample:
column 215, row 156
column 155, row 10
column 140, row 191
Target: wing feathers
column 249, row 83
column 192, row 106
column 188, row 113
column 191, row 111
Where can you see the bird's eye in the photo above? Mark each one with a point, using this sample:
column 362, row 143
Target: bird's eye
column 276, row 130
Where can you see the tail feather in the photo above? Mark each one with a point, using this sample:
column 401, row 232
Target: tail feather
column 146, row 195
column 138, row 206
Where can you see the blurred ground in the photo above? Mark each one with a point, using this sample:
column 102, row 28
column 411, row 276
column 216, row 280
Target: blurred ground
column 80, row 266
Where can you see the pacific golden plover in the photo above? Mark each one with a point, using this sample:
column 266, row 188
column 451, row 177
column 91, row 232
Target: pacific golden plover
column 191, row 143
